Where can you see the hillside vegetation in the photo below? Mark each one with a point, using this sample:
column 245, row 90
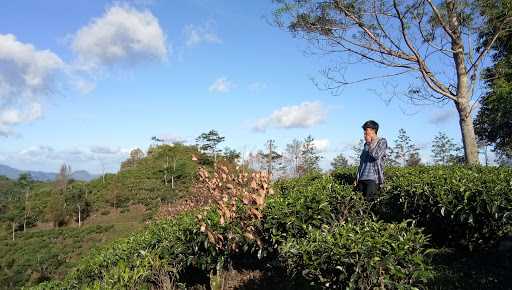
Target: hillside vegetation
column 40, row 237
column 431, row 228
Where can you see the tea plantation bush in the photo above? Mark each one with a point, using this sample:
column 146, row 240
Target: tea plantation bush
column 160, row 256
column 325, row 232
column 310, row 202
column 458, row 205
column 360, row 256
column 312, row 226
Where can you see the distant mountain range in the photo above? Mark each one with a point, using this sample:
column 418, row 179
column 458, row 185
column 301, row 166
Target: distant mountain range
column 13, row 173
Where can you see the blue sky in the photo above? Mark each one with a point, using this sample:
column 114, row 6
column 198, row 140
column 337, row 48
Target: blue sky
column 102, row 77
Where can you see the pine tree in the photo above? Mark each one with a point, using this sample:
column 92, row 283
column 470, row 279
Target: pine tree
column 405, row 151
column 208, row 142
column 339, row 161
column 310, row 155
column 443, row 149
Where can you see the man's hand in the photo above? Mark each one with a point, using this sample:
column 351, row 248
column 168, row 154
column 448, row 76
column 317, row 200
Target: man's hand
column 367, row 138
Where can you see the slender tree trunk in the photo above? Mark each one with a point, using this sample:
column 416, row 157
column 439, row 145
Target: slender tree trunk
column 25, row 223
column 13, row 228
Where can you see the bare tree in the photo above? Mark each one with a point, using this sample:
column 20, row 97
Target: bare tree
column 294, row 156
column 63, row 177
column 437, row 42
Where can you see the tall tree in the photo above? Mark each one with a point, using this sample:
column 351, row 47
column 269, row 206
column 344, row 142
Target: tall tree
column 293, row 157
column 414, row 159
column 63, row 177
column 493, row 123
column 339, row 161
column 135, row 155
column 77, row 196
column 25, row 182
column 444, row 149
column 310, row 155
column 209, row 141
column 231, row 155
column 405, row 151
column 271, row 157
column 433, row 41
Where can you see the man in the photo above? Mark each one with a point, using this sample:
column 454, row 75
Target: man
column 370, row 173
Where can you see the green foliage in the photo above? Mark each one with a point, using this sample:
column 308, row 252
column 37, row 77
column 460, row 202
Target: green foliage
column 309, row 202
column 166, row 248
column 365, row 255
column 404, row 152
column 469, row 207
column 297, row 217
column 144, row 182
column 445, row 151
column 339, row 161
column 459, row 206
column 494, row 122
column 208, row 142
column 310, row 155
column 37, row 256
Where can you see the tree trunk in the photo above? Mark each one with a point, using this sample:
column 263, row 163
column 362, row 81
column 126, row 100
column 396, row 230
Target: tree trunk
column 173, row 172
column 468, row 133
column 13, row 228
column 79, row 217
column 463, row 87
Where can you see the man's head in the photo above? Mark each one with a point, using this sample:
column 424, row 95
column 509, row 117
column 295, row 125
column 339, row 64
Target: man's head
column 370, row 129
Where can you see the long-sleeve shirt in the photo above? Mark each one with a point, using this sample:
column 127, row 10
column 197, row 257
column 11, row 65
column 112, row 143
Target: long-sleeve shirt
column 371, row 164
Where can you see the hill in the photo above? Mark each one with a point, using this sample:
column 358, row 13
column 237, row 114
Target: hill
column 14, row 173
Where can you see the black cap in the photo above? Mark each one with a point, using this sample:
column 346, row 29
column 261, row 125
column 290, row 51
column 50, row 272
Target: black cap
column 371, row 124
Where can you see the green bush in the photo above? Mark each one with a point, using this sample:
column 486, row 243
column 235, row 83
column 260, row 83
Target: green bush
column 310, row 202
column 458, row 205
column 305, row 221
column 367, row 255
column 468, row 206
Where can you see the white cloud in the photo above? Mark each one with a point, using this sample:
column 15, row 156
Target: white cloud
column 105, row 150
column 47, row 158
column 304, row 115
column 321, row 144
column 171, row 138
column 26, row 75
column 222, row 85
column 198, row 34
column 122, row 36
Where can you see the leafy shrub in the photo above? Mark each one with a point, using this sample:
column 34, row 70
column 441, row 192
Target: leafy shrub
column 457, row 205
column 366, row 255
column 291, row 225
column 468, row 206
column 310, row 202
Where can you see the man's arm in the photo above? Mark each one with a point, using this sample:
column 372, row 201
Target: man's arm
column 379, row 150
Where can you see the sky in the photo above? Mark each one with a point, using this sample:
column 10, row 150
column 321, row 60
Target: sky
column 84, row 82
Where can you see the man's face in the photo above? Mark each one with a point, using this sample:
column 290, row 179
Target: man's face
column 369, row 135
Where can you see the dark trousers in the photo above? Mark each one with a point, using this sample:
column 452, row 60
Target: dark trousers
column 369, row 188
